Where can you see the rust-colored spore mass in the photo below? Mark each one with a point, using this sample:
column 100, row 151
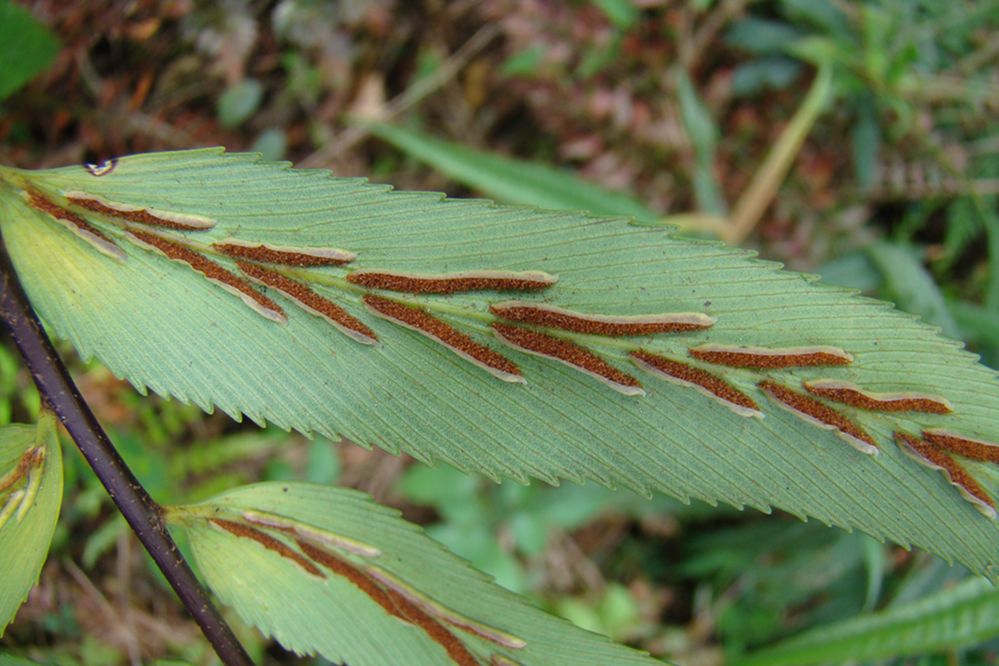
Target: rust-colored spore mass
column 39, row 202
column 269, row 255
column 310, row 299
column 393, row 603
column 767, row 359
column 594, row 325
column 268, row 542
column 963, row 446
column 29, row 459
column 569, row 353
column 412, row 284
column 810, row 407
column 208, row 268
column 855, row 397
column 139, row 215
column 419, row 320
column 686, row 373
column 957, row 474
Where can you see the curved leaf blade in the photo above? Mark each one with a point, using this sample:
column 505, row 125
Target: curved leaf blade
column 164, row 326
column 947, row 620
column 510, row 180
column 30, row 496
column 355, row 583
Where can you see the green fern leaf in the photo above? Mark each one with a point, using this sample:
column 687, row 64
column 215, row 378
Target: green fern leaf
column 30, row 496
column 549, row 356
column 326, row 570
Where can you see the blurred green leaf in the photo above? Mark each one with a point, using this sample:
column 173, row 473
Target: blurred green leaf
column 827, row 16
column 866, row 142
column 911, row 286
column 854, row 270
column 27, row 48
column 622, row 13
column 975, row 321
column 509, row 180
column 768, row 72
column 271, row 144
column 947, row 620
column 703, row 135
column 323, row 465
column 102, row 539
column 239, row 102
column 7, row 659
column 523, row 63
column 761, row 36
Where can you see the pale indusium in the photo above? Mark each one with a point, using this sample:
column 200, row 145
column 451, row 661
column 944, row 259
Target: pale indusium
column 542, row 314
column 702, row 380
column 815, row 412
column 217, row 274
column 393, row 603
column 140, row 214
column 75, row 223
column 288, row 256
column 414, row 318
column 453, row 283
column 765, row 358
column 851, row 394
column 268, row 542
column 569, row 353
column 311, row 302
column 931, row 456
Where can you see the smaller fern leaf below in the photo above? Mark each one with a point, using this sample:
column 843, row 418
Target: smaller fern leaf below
column 325, row 570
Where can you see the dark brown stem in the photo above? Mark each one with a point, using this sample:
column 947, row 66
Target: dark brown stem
column 142, row 513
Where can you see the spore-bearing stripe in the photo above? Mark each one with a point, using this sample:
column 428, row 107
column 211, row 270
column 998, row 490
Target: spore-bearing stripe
column 933, row 457
column 268, row 542
column 445, row 614
column 393, row 603
column 452, row 283
column 703, row 381
column 218, row 275
column 140, row 214
column 76, row 224
column 309, row 533
column 570, row 354
column 853, row 395
column 420, row 321
column 765, row 358
column 287, row 256
column 815, row 412
column 540, row 314
column 31, row 458
column 311, row 302
column 975, row 449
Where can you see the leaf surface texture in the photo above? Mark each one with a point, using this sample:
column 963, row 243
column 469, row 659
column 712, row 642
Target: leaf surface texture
column 163, row 325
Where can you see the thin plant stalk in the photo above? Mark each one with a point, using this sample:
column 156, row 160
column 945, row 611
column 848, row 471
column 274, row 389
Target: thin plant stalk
column 141, row 512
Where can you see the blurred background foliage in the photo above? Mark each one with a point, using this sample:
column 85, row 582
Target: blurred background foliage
column 855, row 139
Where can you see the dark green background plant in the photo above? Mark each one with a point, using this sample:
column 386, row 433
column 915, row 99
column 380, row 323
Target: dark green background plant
column 678, row 106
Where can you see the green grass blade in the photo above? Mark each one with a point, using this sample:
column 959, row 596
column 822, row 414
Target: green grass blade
column 319, row 567
column 945, row 621
column 911, row 286
column 509, row 180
